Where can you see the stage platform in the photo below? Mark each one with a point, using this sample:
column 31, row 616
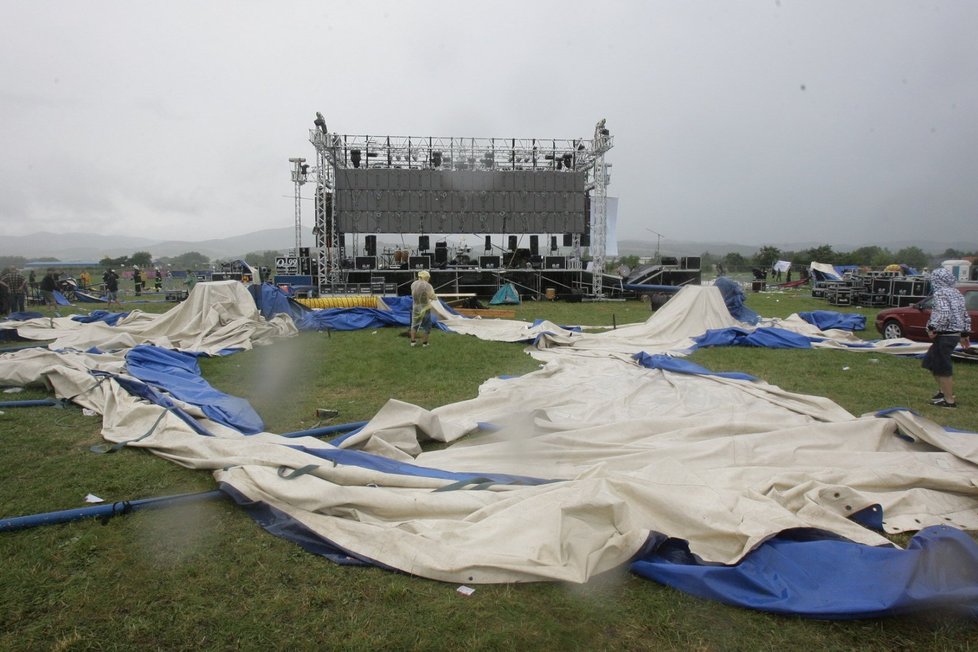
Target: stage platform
column 472, row 281
column 482, row 283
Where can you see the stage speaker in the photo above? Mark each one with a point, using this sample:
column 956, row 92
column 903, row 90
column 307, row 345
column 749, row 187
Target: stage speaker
column 303, row 252
column 366, row 262
column 689, row 262
column 585, row 239
column 342, row 239
column 441, row 254
column 670, row 260
column 512, row 243
column 423, row 243
column 553, row 243
column 488, row 243
column 370, row 244
column 534, row 245
column 568, row 239
column 489, row 262
column 555, row 262
column 419, row 262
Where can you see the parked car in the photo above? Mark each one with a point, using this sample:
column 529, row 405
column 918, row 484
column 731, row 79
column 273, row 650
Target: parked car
column 911, row 321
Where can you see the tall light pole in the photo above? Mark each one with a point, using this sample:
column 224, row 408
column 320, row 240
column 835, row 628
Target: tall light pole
column 599, row 207
column 658, row 241
column 299, row 172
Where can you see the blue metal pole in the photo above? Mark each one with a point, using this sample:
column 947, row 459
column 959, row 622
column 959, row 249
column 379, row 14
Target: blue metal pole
column 30, row 403
column 105, row 511
column 326, row 430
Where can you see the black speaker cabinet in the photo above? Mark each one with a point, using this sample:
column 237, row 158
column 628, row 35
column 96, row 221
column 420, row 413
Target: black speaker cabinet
column 489, row 262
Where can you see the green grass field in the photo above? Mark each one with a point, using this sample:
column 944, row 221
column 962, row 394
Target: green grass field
column 205, row 576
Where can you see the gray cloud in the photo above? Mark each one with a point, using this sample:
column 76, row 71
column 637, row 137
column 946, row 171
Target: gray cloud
column 750, row 122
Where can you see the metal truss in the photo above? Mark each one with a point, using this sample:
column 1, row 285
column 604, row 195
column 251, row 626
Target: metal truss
column 336, row 151
column 300, row 173
column 599, row 206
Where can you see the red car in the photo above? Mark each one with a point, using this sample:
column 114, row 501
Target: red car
column 911, row 321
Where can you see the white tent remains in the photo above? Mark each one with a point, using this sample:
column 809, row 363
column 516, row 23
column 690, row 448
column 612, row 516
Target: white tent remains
column 583, row 459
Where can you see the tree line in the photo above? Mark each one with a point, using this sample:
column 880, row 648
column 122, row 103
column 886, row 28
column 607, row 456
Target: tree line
column 143, row 259
column 764, row 258
column 869, row 256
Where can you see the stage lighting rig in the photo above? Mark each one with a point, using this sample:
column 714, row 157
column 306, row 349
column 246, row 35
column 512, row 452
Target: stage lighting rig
column 320, row 122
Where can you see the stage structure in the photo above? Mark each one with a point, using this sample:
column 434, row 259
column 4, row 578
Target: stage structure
column 369, row 185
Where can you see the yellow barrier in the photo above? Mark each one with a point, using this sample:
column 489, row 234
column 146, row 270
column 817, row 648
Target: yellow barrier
column 348, row 301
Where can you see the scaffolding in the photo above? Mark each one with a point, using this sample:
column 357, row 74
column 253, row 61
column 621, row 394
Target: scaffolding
column 336, row 152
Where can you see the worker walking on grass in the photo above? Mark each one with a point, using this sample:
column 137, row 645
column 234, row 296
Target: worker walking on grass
column 422, row 294
column 111, row 281
column 949, row 323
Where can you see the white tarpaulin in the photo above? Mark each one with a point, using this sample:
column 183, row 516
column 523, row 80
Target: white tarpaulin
column 215, row 316
column 573, row 466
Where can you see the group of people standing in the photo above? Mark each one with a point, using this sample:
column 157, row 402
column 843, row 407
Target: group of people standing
column 13, row 291
column 17, row 290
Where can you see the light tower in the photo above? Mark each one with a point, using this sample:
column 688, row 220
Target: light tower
column 299, row 177
column 327, row 240
column 599, row 207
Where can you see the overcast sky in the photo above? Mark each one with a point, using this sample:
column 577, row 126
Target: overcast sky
column 744, row 121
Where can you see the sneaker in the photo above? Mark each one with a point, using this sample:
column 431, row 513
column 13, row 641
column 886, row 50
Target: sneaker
column 414, row 343
column 944, row 404
column 424, row 346
column 937, row 398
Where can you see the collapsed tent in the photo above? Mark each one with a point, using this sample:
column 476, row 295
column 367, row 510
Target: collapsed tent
column 590, row 463
column 215, row 316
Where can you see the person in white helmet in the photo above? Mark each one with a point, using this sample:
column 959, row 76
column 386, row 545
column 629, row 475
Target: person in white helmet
column 422, row 294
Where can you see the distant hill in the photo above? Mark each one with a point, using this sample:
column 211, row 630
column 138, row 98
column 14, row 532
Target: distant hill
column 88, row 246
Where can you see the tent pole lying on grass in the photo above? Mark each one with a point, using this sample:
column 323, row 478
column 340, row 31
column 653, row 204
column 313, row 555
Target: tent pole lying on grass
column 326, row 430
column 109, row 510
column 32, row 403
column 104, row 512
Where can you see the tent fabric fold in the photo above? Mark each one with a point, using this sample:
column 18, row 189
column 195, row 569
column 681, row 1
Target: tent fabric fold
column 615, row 453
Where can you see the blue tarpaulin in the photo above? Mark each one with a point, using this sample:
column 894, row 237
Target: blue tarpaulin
column 683, row 366
column 84, row 297
column 110, row 318
column 733, row 297
column 824, row 319
column 351, row 319
column 772, row 338
column 271, row 301
column 179, row 374
column 814, row 574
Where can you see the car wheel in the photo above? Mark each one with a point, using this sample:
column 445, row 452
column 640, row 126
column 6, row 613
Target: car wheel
column 892, row 330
